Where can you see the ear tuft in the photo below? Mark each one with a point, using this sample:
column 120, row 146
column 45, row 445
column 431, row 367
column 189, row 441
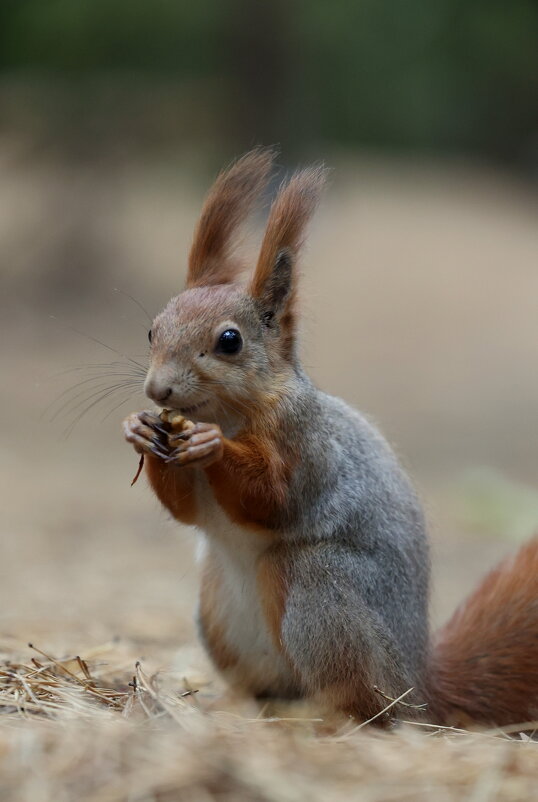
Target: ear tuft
column 286, row 229
column 229, row 201
column 273, row 284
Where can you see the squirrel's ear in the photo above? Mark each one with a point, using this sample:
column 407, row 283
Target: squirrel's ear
column 274, row 281
column 225, row 208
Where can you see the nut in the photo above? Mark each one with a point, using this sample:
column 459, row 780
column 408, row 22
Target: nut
column 176, row 421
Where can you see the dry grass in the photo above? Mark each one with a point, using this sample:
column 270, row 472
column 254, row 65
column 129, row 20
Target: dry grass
column 86, row 728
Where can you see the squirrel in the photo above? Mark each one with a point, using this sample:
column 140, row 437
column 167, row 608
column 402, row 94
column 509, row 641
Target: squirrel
column 314, row 551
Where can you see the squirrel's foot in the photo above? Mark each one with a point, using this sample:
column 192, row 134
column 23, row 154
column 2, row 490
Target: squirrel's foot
column 200, row 445
column 147, row 434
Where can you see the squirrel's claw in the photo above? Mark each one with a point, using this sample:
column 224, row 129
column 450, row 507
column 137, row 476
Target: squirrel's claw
column 201, row 445
column 177, row 438
column 138, row 430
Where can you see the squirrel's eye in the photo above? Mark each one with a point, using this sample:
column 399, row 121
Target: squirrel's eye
column 149, row 335
column 229, row 342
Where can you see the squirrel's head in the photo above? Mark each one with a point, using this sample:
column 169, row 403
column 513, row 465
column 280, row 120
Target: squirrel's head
column 224, row 345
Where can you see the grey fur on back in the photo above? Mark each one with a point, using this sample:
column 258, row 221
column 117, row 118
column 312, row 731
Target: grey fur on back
column 361, row 567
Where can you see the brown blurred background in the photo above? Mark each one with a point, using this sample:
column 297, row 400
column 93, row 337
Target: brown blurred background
column 420, row 281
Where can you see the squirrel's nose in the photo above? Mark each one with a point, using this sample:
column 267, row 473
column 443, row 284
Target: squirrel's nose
column 157, row 391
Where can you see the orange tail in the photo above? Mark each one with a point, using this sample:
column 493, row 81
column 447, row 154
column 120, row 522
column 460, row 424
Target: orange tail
column 485, row 660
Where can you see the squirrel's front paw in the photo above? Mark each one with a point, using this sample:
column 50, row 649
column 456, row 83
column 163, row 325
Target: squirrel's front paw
column 200, row 445
column 147, row 434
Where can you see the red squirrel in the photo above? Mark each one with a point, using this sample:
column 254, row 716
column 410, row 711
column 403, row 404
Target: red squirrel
column 314, row 553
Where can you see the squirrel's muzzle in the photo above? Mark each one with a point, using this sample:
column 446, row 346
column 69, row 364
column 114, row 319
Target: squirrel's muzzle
column 158, row 390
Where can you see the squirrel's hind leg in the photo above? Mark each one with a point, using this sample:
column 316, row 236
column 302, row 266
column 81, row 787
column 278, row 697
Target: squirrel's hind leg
column 341, row 650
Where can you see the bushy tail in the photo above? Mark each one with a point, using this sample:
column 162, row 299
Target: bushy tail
column 485, row 660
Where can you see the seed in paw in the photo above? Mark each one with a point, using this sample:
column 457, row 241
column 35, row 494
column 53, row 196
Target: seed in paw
column 176, row 421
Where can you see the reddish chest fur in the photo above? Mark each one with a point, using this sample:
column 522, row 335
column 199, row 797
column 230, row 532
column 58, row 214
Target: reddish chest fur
column 174, row 487
column 248, row 483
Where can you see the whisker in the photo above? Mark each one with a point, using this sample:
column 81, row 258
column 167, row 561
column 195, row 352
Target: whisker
column 90, row 406
column 232, row 408
column 72, row 395
column 65, row 392
column 209, row 385
column 102, row 392
column 135, row 301
column 109, row 366
column 117, row 406
column 98, row 377
column 246, row 406
column 102, row 344
column 224, row 410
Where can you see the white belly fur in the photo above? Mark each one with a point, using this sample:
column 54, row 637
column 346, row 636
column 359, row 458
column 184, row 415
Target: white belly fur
column 234, row 552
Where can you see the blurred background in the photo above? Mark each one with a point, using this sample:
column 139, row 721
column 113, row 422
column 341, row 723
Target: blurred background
column 420, row 280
